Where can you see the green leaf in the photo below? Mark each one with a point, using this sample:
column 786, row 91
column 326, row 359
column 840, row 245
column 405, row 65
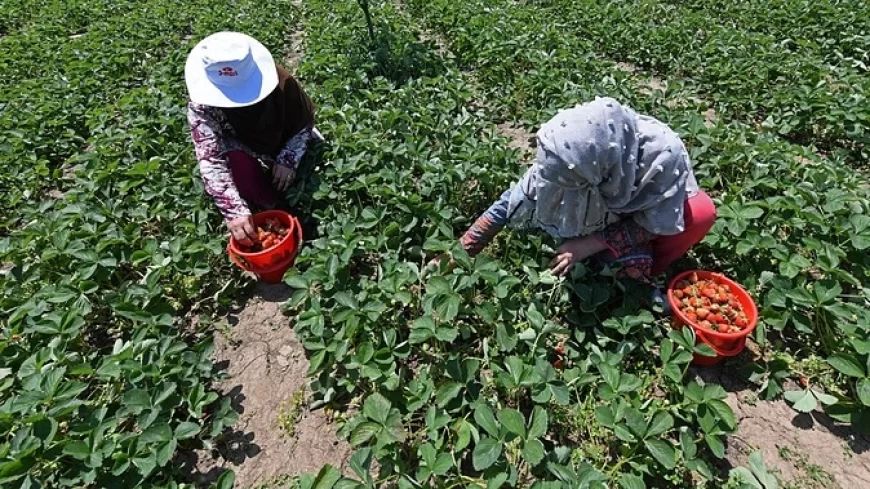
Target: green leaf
column 495, row 482
column 756, row 464
column 447, row 393
column 364, row 432
column 847, row 364
column 296, row 281
column 442, row 465
column 635, row 422
column 623, row 433
column 673, row 372
column 743, row 474
column 486, row 420
column 146, row 465
column 604, row 415
column 448, row 308
column 661, row 422
column 631, row 481
column 360, row 463
column 826, row 399
column 486, row 452
column 438, row 286
column 77, row 449
column 862, row 389
column 533, row 451
column 376, row 407
column 346, row 300
column 137, row 400
column 610, row 375
column 704, row 349
column 663, row 452
column 725, row 413
column 750, row 212
column 420, row 335
column 687, row 444
column 513, row 421
column 538, row 423
column 447, row 335
column 186, row 430
column 535, row 318
column 666, row 350
column 45, row 429
column 327, row 477
column 802, row 401
column 166, row 451
column 156, row 433
column 226, row 480
column 715, row 444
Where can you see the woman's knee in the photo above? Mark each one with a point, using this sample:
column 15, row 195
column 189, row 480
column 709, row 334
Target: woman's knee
column 702, row 211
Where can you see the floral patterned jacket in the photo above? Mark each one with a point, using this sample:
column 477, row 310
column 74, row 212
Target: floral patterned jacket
column 213, row 137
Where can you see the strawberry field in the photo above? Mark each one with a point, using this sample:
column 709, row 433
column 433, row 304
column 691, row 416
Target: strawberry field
column 492, row 374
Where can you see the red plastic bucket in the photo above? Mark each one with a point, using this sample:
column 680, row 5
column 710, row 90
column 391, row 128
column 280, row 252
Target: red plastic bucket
column 724, row 344
column 270, row 265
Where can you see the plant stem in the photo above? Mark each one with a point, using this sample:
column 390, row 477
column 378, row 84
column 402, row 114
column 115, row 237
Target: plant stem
column 622, row 461
column 364, row 5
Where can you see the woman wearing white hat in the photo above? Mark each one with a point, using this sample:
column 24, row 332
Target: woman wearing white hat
column 251, row 123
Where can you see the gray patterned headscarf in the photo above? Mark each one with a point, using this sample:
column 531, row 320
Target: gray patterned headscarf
column 601, row 162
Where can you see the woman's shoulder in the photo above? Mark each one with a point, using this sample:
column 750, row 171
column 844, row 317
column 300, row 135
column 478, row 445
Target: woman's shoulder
column 201, row 109
column 199, row 113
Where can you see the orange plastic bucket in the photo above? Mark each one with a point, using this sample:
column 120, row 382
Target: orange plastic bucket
column 724, row 344
column 270, row 265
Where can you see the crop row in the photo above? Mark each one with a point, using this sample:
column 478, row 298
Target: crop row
column 108, row 247
column 452, row 374
column 747, row 75
column 792, row 226
column 837, row 29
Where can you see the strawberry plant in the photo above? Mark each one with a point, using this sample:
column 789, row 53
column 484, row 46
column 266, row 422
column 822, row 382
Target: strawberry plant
column 491, row 374
column 108, row 248
column 801, row 249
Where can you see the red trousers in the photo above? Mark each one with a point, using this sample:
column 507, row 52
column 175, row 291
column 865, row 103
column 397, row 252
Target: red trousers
column 699, row 216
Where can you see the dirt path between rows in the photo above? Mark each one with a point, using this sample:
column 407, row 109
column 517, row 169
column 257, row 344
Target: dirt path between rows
column 276, row 436
column 806, row 451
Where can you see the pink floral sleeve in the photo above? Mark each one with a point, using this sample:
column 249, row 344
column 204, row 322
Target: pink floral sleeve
column 294, row 150
column 210, row 144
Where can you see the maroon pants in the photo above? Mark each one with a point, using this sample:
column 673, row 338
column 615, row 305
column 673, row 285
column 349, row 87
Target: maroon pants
column 253, row 181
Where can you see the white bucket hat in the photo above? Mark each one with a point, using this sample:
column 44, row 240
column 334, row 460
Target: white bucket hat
column 229, row 69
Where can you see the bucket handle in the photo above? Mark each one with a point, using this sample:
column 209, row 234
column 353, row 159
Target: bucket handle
column 741, row 343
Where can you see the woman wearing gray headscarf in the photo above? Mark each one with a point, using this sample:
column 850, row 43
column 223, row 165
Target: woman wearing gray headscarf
column 611, row 183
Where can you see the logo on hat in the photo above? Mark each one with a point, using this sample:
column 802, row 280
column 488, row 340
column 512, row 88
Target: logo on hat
column 228, row 71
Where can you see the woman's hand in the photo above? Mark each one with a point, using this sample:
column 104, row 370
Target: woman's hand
column 573, row 251
column 282, row 176
column 243, row 230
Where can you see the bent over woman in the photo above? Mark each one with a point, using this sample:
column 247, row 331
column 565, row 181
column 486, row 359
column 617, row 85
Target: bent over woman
column 610, row 183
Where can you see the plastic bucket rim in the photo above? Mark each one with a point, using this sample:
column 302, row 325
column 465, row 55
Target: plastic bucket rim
column 714, row 334
column 294, row 223
column 733, row 352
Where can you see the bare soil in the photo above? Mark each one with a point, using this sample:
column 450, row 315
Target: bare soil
column 807, row 451
column 266, row 367
column 519, row 138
